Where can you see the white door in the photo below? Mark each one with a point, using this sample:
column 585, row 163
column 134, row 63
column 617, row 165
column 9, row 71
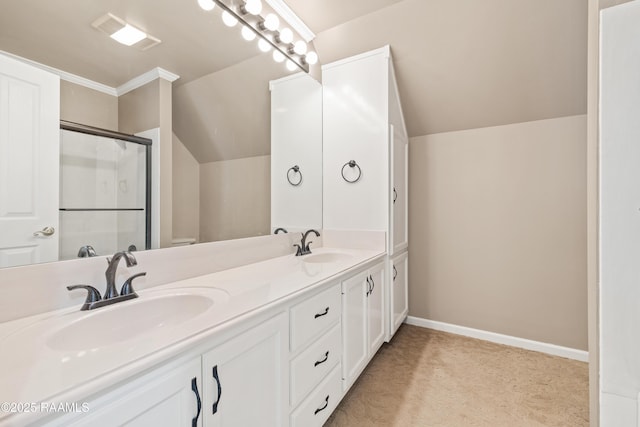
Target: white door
column 619, row 215
column 354, row 323
column 29, row 163
column 246, row 380
column 375, row 309
column 399, row 284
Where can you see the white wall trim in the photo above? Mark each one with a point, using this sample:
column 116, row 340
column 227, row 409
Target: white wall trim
column 555, row 350
column 69, row 77
column 285, row 12
column 143, row 79
column 136, row 82
column 384, row 50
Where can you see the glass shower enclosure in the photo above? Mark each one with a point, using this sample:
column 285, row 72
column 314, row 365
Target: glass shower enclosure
column 105, row 186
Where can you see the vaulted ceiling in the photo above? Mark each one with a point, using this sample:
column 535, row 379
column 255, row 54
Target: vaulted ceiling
column 460, row 64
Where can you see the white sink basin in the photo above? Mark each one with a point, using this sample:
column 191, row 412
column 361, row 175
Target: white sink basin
column 326, row 257
column 131, row 319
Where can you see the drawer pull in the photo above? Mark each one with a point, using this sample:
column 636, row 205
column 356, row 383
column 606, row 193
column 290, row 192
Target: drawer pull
column 194, row 388
column 217, row 378
column 320, row 362
column 326, row 403
column 326, row 311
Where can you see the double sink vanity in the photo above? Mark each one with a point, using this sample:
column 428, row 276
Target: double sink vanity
column 261, row 331
column 272, row 343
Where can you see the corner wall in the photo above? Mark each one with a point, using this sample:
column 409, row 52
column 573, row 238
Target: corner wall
column 497, row 225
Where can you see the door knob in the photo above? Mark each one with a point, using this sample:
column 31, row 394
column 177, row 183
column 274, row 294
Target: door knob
column 47, row 231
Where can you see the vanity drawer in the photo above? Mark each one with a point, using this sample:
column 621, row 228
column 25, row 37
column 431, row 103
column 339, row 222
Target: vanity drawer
column 316, row 314
column 313, row 364
column 316, row 408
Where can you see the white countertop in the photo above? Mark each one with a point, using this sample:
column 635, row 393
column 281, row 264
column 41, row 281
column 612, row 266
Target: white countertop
column 35, row 369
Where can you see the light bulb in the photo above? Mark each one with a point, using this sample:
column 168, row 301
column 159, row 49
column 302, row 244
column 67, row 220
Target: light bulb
column 291, row 66
column 286, row 35
column 278, row 56
column 254, row 7
column 247, row 34
column 207, row 5
column 300, row 47
column 228, row 19
column 272, row 22
column 311, row 58
column 264, row 45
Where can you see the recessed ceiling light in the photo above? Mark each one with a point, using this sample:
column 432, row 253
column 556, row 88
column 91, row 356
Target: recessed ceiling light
column 128, row 35
column 119, row 30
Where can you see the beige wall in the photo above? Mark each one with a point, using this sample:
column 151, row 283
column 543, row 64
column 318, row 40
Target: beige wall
column 138, row 110
column 497, row 226
column 235, row 198
column 86, row 106
column 149, row 107
column 186, row 192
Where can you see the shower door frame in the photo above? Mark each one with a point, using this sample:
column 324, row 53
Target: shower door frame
column 90, row 130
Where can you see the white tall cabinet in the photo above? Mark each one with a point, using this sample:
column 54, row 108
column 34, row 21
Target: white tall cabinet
column 365, row 161
column 296, row 153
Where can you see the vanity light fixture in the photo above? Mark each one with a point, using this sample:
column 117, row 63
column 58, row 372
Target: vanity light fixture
column 267, row 29
column 123, row 32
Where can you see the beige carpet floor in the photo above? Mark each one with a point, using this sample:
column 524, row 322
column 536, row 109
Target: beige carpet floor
column 430, row 378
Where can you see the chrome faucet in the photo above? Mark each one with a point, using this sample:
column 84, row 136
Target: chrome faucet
column 95, row 300
column 303, row 247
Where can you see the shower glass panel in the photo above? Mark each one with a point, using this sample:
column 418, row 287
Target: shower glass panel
column 104, row 191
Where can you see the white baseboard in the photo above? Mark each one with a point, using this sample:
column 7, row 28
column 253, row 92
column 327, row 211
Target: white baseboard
column 555, row 350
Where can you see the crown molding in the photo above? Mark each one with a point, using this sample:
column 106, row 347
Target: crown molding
column 285, row 12
column 143, row 79
column 69, row 77
column 136, row 82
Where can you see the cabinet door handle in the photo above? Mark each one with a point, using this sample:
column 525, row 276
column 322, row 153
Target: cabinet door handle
column 194, row 388
column 326, row 403
column 320, row 362
column 395, row 273
column 368, row 287
column 326, row 311
column 395, row 195
column 373, row 284
column 217, row 378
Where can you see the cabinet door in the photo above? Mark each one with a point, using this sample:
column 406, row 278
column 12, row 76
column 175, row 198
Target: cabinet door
column 399, row 287
column 399, row 192
column 375, row 308
column 355, row 127
column 246, row 380
column 166, row 397
column 354, row 323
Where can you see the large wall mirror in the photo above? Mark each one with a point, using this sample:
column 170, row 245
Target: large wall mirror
column 216, row 175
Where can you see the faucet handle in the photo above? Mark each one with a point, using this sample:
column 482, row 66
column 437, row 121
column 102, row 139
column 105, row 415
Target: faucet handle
column 93, row 295
column 127, row 287
column 299, row 250
column 307, row 249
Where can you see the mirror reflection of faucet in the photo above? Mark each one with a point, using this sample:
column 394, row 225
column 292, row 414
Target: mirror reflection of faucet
column 95, row 300
column 303, row 248
column 87, row 251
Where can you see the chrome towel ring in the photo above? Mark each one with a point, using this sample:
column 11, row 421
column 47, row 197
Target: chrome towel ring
column 352, row 164
column 296, row 170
